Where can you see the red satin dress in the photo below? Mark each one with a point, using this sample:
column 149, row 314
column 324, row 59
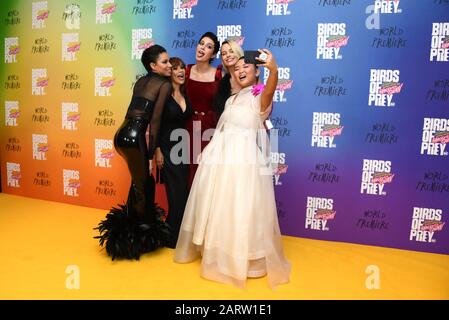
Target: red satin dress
column 201, row 96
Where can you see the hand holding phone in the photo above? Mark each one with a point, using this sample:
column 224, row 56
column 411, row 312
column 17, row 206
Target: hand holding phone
column 269, row 62
column 263, row 56
column 250, row 56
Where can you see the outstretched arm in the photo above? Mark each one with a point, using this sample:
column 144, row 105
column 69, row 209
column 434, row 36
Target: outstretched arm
column 272, row 81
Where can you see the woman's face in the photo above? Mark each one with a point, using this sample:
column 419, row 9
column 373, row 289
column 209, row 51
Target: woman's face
column 228, row 56
column 162, row 65
column 178, row 75
column 205, row 49
column 245, row 73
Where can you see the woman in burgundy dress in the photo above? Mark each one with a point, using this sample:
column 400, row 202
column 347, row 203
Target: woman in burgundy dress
column 202, row 81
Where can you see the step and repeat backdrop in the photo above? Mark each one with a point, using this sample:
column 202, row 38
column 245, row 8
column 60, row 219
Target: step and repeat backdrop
column 362, row 106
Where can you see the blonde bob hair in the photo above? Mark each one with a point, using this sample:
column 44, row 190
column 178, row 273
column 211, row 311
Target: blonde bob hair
column 236, row 48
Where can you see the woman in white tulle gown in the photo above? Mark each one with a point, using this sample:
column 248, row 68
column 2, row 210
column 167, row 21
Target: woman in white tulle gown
column 230, row 218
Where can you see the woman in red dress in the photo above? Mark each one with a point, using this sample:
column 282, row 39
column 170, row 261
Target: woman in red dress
column 202, row 81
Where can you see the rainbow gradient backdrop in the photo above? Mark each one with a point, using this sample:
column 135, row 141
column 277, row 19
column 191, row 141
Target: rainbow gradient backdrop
column 291, row 33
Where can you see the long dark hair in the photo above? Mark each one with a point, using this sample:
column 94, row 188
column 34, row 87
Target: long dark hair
column 150, row 55
column 175, row 63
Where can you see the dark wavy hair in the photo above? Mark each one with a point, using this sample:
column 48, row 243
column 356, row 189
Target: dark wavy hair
column 150, row 55
column 175, row 63
column 214, row 38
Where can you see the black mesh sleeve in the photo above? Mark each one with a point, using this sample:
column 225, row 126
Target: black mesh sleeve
column 155, row 122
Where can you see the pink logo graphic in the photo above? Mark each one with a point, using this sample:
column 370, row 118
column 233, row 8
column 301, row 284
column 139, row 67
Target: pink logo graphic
column 14, row 113
column 42, row 82
column 42, row 14
column 337, row 41
column 14, row 50
column 188, row 3
column 445, row 43
column 108, row 8
column 430, row 225
column 331, row 130
column 145, row 43
column 325, row 214
column 73, row 46
column 284, row 84
column 107, row 82
column 441, row 137
column 74, row 183
column 15, row 175
column 107, row 153
column 281, row 169
column 42, row 147
column 73, row 116
column 390, row 88
column 382, row 177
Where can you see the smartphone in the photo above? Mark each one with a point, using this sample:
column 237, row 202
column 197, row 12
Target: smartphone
column 251, row 55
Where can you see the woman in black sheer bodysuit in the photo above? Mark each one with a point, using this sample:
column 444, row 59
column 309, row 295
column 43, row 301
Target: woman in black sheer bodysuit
column 136, row 227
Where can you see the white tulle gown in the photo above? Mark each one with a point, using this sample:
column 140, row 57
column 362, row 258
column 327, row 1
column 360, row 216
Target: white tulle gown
column 230, row 218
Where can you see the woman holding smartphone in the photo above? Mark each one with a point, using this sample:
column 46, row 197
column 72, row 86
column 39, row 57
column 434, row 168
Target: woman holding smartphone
column 230, row 217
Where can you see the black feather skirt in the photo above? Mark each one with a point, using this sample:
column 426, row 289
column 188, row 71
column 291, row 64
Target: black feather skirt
column 125, row 235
